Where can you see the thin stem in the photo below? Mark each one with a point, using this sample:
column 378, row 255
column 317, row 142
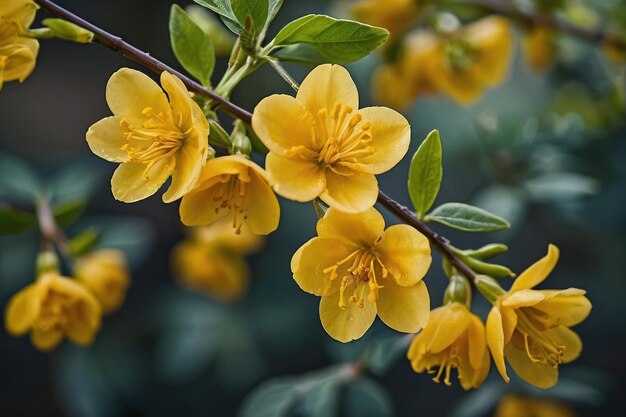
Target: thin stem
column 50, row 231
column 284, row 74
column 153, row 64
column 118, row 44
column 508, row 9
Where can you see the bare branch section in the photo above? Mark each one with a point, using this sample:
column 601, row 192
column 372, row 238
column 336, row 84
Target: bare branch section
column 508, row 9
column 119, row 45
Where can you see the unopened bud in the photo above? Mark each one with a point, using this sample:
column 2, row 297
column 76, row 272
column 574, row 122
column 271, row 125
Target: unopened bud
column 47, row 262
column 459, row 291
column 489, row 288
column 63, row 29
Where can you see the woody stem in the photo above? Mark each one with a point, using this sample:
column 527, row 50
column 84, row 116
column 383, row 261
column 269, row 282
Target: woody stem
column 117, row 44
column 538, row 18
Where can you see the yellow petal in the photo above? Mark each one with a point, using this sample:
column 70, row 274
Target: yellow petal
column 261, row 205
column 282, row 122
column 105, row 138
column 129, row 92
column 22, row 310
column 81, row 333
column 349, row 323
column 326, row 85
column 563, row 336
column 493, row 38
column 537, row 46
column 522, row 298
column 569, row 306
column 405, row 309
column 357, row 230
column 295, row 179
column 477, row 342
column 21, row 55
column 310, row 260
column 46, row 340
column 391, row 136
column 180, row 100
column 189, row 162
column 200, row 208
column 495, row 340
column 537, row 272
column 405, row 252
column 129, row 184
column 350, row 193
column 535, row 373
column 21, row 11
column 446, row 325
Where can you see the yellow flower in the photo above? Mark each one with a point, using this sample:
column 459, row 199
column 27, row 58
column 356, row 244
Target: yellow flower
column 477, row 57
column 321, row 145
column 211, row 260
column 232, row 185
column 51, row 308
column 532, row 327
column 398, row 84
column 517, row 406
column 152, row 137
column 453, row 338
column 537, row 46
column 360, row 270
column 105, row 273
column 18, row 53
column 394, row 15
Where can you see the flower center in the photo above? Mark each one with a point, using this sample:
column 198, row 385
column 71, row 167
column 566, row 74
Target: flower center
column 539, row 346
column 156, row 139
column 339, row 138
column 362, row 272
column 58, row 311
column 447, row 359
column 231, row 195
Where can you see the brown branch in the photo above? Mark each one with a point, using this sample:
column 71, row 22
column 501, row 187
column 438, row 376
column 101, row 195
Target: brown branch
column 153, row 64
column 538, row 18
column 129, row 51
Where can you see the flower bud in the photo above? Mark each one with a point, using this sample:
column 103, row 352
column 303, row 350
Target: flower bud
column 47, row 262
column 489, row 288
column 63, row 29
column 105, row 273
column 459, row 290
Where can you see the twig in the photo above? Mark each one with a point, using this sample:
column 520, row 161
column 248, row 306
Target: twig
column 118, row 44
column 508, row 9
column 153, row 64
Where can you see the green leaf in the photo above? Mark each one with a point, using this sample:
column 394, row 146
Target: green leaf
column 381, row 354
column 13, row 222
column 66, row 213
column 339, row 41
column 224, row 9
column 425, row 174
column 366, row 398
column 191, row 45
column 84, row 242
column 251, row 14
column 467, row 218
column 77, row 181
column 271, row 399
column 301, row 54
column 18, row 181
column 274, row 7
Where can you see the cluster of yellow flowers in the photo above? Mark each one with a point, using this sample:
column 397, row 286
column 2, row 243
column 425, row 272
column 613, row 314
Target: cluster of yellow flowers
column 321, row 145
column 18, row 52
column 461, row 64
column 211, row 260
column 55, row 306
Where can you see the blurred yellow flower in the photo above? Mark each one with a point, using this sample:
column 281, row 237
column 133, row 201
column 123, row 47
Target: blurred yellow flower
column 18, row 53
column 537, row 47
column 322, row 145
column 51, row 308
column 393, row 15
column 360, row 270
column 475, row 58
column 150, row 136
column 453, row 338
column 398, row 84
column 519, row 406
column 232, row 185
column 211, row 260
column 105, row 273
column 532, row 327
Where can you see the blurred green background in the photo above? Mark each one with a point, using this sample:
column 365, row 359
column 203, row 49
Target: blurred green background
column 542, row 150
